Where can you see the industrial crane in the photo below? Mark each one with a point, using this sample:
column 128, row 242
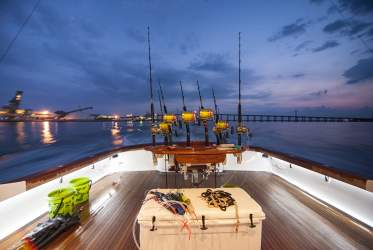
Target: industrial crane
column 61, row 114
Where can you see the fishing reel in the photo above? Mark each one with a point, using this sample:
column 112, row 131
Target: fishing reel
column 206, row 114
column 164, row 128
column 166, row 125
column 188, row 117
column 220, row 126
column 242, row 130
column 169, row 118
column 155, row 129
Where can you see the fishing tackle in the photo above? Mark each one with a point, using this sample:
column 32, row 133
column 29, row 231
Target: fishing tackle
column 186, row 116
column 240, row 129
column 204, row 116
column 153, row 130
column 47, row 231
column 168, row 201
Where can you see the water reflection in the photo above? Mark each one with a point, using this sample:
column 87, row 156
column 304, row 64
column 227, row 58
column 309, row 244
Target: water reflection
column 130, row 126
column 115, row 132
column 20, row 132
column 46, row 135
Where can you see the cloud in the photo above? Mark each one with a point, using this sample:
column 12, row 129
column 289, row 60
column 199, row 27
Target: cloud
column 357, row 6
column 346, row 27
column 332, row 9
column 360, row 72
column 319, row 93
column 317, row 1
column 299, row 75
column 369, row 33
column 291, row 30
column 336, row 26
column 136, row 35
column 326, row 45
column 189, row 43
column 313, row 96
column 211, row 62
column 303, row 45
column 258, row 95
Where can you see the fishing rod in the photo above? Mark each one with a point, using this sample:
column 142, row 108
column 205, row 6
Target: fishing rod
column 220, row 126
column 180, row 123
column 239, row 89
column 240, row 128
column 182, row 95
column 153, row 130
column 200, row 101
column 204, row 115
column 217, row 133
column 168, row 118
column 186, row 116
column 200, row 97
column 215, row 105
column 160, row 102
column 162, row 96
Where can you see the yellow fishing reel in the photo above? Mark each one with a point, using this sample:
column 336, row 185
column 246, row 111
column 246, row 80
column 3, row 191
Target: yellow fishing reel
column 220, row 126
column 188, row 117
column 164, row 128
column 242, row 129
column 169, row 118
column 206, row 114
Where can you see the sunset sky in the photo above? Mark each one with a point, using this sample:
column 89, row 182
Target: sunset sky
column 309, row 55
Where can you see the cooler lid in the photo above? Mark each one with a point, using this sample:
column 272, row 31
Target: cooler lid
column 246, row 206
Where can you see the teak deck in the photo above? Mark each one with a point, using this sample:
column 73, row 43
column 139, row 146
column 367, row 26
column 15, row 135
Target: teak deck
column 294, row 220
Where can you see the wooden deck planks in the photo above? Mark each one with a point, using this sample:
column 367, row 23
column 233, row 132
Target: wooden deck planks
column 293, row 219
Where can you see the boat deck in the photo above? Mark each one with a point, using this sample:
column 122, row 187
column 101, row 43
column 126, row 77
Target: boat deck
column 294, row 220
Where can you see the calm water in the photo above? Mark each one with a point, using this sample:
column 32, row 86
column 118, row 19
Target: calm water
column 27, row 148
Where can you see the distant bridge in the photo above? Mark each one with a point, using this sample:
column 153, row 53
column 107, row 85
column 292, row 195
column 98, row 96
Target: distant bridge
column 292, row 118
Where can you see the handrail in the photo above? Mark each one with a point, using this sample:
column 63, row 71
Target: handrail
column 53, row 173
column 344, row 176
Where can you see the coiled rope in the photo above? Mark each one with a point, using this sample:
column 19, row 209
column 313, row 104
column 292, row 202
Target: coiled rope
column 221, row 199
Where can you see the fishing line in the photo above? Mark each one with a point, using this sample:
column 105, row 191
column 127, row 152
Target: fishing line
column 10, row 45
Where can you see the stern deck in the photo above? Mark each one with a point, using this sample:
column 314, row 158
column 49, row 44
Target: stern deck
column 294, row 220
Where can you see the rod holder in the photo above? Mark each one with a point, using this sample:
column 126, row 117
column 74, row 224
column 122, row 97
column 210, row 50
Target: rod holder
column 203, row 223
column 205, row 124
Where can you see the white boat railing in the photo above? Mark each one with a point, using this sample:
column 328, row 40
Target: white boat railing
column 21, row 209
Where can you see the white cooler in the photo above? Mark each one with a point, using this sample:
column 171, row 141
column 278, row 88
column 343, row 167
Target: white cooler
column 219, row 231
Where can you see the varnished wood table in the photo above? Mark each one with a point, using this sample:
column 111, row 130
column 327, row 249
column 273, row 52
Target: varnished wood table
column 196, row 154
